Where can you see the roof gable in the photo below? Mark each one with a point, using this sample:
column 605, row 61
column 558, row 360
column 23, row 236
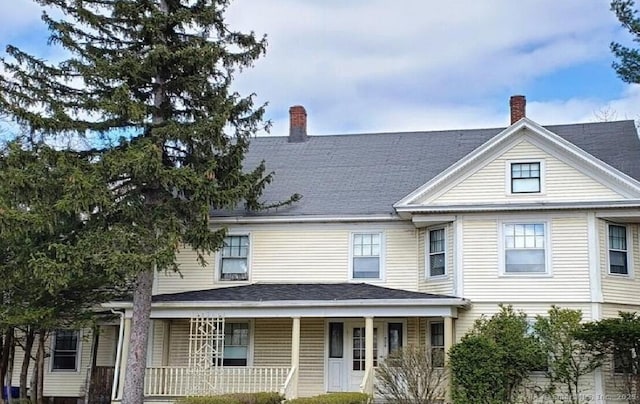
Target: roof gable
column 615, row 184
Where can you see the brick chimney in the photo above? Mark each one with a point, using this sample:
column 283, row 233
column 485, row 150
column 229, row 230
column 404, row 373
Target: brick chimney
column 297, row 124
column 518, row 108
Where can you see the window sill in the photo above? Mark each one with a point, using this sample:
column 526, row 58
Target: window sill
column 621, row 276
column 525, row 275
column 437, row 278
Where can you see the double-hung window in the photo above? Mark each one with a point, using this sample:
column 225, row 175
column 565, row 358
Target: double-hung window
column 436, row 260
column 234, row 258
column 65, row 350
column 525, row 248
column 366, row 255
column 525, row 178
column 236, row 344
column 618, row 250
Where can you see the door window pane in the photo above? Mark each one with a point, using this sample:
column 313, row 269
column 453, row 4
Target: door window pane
column 336, row 340
column 359, row 348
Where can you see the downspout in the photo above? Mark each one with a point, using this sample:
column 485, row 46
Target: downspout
column 116, row 371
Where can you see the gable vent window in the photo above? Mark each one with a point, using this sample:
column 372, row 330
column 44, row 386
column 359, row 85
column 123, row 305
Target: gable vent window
column 618, row 250
column 234, row 259
column 525, row 178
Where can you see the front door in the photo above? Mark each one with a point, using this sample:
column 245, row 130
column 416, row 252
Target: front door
column 356, row 338
column 347, row 347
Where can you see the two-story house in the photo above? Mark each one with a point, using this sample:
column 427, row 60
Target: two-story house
column 400, row 238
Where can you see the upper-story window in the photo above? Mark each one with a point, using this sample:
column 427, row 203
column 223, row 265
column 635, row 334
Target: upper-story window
column 525, row 248
column 526, row 178
column 618, row 250
column 234, row 258
column 65, row 350
column 366, row 255
column 436, row 249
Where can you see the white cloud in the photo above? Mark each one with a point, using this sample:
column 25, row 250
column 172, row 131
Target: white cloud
column 377, row 65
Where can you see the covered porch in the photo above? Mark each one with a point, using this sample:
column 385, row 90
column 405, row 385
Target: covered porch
column 297, row 339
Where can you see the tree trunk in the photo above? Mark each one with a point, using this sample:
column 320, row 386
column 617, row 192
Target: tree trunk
column 40, row 368
column 137, row 357
column 9, row 376
column 26, row 360
column 7, row 342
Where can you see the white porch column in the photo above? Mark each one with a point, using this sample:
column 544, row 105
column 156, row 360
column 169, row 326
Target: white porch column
column 448, row 343
column 368, row 343
column 124, row 353
column 295, row 354
column 448, row 337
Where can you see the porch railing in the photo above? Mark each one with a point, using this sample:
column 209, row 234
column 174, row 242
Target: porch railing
column 289, row 387
column 182, row 381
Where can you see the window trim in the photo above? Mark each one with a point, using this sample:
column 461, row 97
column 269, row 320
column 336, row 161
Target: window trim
column 508, row 179
column 250, row 325
column 78, row 352
column 630, row 246
column 219, row 258
column 502, row 250
column 427, row 253
column 381, row 268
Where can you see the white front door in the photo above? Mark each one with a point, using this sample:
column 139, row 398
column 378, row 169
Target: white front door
column 336, row 362
column 347, row 347
column 356, row 343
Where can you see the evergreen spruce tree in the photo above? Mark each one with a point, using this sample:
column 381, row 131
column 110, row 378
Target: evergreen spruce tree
column 53, row 270
column 147, row 83
column 628, row 59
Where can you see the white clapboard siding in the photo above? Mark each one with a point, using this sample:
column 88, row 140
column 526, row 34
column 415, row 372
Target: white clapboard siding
column 569, row 273
column 192, row 275
column 438, row 285
column 179, row 342
column 300, row 255
column 619, row 288
column 489, row 183
column 401, row 269
column 157, row 352
column 610, row 310
column 304, row 253
column 311, row 376
column 272, row 342
column 107, row 344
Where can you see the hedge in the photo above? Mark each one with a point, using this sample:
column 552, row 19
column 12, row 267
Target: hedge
column 241, row 398
column 334, row 398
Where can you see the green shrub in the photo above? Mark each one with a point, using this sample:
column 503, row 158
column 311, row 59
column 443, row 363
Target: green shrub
column 334, row 398
column 240, row 398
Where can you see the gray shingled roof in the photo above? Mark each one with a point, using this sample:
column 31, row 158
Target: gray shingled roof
column 368, row 173
column 259, row 292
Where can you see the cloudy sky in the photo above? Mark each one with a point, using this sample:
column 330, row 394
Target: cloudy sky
column 403, row 65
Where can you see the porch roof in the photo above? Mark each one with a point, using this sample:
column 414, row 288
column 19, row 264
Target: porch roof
column 273, row 292
column 270, row 300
